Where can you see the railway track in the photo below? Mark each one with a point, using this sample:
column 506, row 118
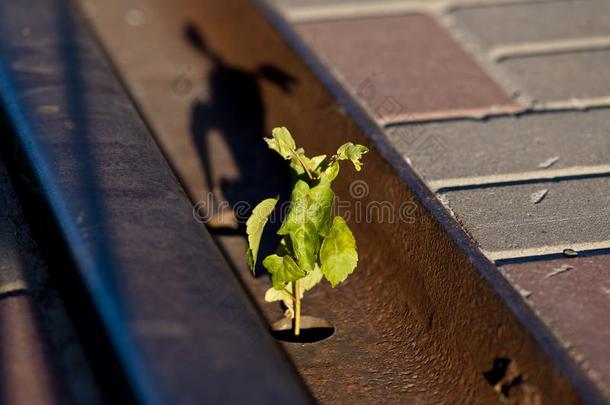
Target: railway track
column 120, row 122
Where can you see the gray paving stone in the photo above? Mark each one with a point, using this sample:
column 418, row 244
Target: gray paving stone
column 505, row 145
column 562, row 76
column 505, row 218
column 535, row 21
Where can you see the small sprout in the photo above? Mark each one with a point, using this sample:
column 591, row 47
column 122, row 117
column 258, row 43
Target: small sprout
column 314, row 246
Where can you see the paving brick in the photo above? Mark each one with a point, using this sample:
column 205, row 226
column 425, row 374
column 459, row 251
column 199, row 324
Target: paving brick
column 506, row 218
column 399, row 76
column 561, row 76
column 575, row 303
column 505, row 144
column 543, row 21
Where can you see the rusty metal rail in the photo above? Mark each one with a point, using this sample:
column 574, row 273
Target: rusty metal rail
column 426, row 319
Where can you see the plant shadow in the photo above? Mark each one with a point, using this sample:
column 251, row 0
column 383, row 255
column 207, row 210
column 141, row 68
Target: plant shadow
column 227, row 129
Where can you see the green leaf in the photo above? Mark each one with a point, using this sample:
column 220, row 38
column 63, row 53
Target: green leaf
column 301, row 164
column 349, row 151
column 298, row 207
column 282, row 142
column 297, row 166
column 315, row 163
column 338, row 254
column 309, row 207
column 305, row 244
column 283, row 270
column 307, row 220
column 255, row 226
column 330, row 173
column 321, row 198
column 286, row 295
column 273, row 294
column 310, row 280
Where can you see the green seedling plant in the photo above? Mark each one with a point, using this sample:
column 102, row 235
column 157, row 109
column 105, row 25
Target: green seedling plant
column 313, row 246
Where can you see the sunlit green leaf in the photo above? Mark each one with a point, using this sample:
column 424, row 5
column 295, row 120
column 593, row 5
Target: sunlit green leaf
column 349, row 151
column 309, row 207
column 298, row 208
column 307, row 220
column 303, row 166
column 255, row 226
column 305, row 243
column 338, row 254
column 315, row 163
column 319, row 210
column 310, row 280
column 283, row 269
column 330, row 172
column 286, row 295
column 282, row 142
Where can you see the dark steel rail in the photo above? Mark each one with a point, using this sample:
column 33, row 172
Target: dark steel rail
column 178, row 322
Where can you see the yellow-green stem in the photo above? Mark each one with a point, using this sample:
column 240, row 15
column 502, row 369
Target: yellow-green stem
column 297, row 307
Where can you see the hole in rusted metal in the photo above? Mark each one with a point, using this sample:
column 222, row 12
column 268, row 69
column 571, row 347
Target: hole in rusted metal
column 506, row 379
column 312, row 330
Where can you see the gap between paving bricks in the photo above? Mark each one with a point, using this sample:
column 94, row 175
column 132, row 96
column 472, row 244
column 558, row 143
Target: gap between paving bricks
column 535, row 176
column 500, row 53
column 309, row 13
column 489, row 59
column 538, row 107
column 501, row 257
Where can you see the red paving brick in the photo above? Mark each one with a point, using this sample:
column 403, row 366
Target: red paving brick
column 406, row 67
column 575, row 303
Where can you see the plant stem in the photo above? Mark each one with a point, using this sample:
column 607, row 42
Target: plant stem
column 297, row 307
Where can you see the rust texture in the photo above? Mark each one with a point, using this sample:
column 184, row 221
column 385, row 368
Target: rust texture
column 425, row 317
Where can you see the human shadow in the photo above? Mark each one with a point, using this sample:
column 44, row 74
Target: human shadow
column 227, row 130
